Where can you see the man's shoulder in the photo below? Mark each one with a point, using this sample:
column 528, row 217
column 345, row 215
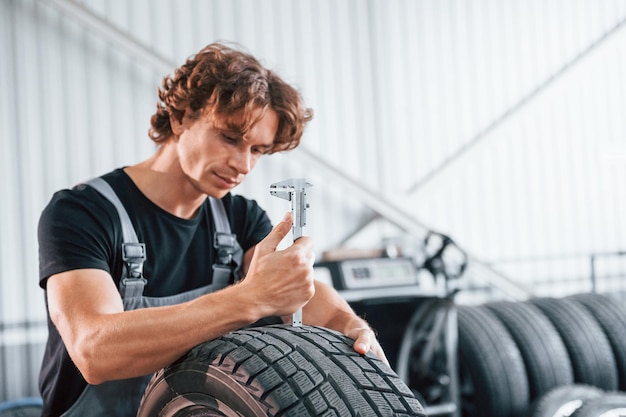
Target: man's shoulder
column 80, row 200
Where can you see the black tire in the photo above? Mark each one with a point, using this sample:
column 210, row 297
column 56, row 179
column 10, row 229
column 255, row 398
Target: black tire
column 612, row 318
column 588, row 347
column 493, row 380
column 278, row 371
column 26, row 407
column 607, row 405
column 545, row 356
column 563, row 401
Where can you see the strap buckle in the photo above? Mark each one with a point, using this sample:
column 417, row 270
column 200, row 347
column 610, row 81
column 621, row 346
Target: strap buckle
column 225, row 245
column 134, row 255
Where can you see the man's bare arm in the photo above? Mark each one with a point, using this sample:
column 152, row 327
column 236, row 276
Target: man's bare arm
column 106, row 342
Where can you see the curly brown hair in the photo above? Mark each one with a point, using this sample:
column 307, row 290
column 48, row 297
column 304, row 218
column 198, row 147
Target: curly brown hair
column 228, row 84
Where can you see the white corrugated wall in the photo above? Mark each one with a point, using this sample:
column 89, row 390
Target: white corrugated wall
column 497, row 122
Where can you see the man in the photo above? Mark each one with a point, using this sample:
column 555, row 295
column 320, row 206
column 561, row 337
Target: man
column 217, row 115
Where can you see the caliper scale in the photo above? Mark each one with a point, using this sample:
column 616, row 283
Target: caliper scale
column 294, row 190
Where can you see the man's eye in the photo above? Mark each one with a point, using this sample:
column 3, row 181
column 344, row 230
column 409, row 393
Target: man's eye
column 230, row 139
column 263, row 150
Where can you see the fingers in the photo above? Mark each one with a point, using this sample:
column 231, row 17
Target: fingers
column 282, row 280
column 366, row 342
column 363, row 341
column 304, row 246
column 273, row 239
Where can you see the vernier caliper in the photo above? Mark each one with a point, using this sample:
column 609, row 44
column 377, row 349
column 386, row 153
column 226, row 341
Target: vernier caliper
column 294, row 190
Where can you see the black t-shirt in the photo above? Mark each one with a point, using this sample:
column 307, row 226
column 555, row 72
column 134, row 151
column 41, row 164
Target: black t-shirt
column 80, row 229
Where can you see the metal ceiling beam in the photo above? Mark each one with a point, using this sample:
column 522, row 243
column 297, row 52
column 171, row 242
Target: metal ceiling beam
column 515, row 108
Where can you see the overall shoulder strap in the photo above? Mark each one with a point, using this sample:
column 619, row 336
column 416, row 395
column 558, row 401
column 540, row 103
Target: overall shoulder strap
column 105, row 189
column 224, row 242
column 219, row 215
column 132, row 281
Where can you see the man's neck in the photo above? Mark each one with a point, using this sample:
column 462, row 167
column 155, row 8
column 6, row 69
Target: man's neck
column 162, row 181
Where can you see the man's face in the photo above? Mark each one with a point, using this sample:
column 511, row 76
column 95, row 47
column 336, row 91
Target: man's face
column 215, row 160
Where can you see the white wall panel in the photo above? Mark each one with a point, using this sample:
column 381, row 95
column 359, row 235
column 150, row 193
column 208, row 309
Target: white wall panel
column 497, row 122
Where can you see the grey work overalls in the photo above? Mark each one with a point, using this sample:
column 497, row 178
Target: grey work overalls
column 121, row 398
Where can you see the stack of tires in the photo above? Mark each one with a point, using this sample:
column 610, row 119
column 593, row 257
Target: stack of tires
column 545, row 357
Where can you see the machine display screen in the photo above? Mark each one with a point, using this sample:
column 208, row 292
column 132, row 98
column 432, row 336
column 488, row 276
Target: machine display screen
column 378, row 272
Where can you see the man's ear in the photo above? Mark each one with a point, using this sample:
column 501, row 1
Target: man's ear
column 176, row 124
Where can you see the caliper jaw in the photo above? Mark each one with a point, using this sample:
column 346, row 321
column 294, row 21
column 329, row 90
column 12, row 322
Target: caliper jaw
column 294, row 190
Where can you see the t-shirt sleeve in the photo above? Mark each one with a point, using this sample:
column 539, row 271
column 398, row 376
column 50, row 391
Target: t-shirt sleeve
column 75, row 231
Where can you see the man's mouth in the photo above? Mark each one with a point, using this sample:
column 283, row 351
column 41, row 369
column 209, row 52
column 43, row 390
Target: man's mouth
column 227, row 181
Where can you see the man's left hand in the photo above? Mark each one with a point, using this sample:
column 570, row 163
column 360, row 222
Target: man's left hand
column 365, row 341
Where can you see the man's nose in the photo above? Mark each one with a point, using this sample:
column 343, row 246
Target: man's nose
column 242, row 161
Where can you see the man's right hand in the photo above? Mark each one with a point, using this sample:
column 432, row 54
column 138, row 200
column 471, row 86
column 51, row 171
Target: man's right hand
column 281, row 280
